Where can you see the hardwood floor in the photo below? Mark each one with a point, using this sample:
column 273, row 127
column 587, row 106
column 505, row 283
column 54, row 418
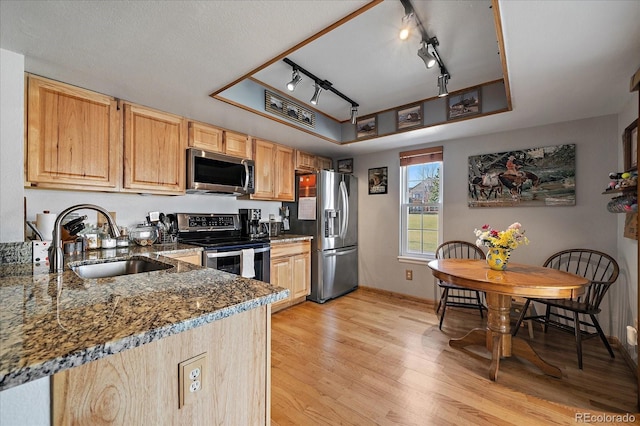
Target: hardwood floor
column 369, row 358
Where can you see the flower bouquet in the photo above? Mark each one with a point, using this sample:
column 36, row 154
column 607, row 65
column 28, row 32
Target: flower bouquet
column 500, row 243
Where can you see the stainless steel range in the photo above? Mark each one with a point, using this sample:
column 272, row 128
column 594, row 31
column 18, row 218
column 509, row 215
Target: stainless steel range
column 225, row 247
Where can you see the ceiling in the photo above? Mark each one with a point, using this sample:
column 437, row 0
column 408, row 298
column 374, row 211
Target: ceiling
column 566, row 60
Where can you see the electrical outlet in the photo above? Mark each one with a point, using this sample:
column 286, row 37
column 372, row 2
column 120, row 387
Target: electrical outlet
column 191, row 374
column 409, row 274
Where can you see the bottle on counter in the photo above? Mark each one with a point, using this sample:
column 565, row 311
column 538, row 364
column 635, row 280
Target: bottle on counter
column 123, row 239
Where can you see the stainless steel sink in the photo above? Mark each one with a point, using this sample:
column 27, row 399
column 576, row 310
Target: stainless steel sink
column 119, row 267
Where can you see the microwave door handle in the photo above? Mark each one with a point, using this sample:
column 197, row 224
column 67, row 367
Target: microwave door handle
column 246, row 175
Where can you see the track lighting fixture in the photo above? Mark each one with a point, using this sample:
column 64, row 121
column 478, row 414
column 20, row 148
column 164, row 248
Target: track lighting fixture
column 316, row 94
column 442, row 85
column 295, row 79
column 319, row 84
column 428, row 58
column 405, row 30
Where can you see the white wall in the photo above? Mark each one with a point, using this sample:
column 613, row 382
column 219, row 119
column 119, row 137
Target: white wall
column 550, row 229
column 11, row 145
column 626, row 296
column 131, row 209
column 27, row 404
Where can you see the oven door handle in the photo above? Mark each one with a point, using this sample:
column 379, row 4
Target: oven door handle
column 214, row 255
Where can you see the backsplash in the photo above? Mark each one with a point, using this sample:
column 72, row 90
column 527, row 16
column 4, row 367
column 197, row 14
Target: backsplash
column 16, row 252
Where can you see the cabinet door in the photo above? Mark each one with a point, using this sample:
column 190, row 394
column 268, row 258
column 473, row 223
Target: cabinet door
column 264, row 177
column 205, row 137
column 285, row 174
column 305, row 161
column 281, row 276
column 237, row 145
column 324, row 163
column 301, row 276
column 73, row 138
column 154, row 150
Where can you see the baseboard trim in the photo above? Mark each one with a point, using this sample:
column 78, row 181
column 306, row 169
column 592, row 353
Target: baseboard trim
column 615, row 342
column 428, row 302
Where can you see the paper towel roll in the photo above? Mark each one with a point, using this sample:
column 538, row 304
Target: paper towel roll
column 44, row 223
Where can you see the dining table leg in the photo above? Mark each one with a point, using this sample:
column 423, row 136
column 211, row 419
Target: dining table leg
column 498, row 340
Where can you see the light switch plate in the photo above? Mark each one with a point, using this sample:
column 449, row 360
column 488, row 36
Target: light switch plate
column 41, row 251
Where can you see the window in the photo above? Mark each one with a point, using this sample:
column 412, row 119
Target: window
column 420, row 202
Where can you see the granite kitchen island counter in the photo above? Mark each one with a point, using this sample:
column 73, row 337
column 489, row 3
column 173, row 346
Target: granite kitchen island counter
column 45, row 330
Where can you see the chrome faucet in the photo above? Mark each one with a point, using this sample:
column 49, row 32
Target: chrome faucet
column 56, row 258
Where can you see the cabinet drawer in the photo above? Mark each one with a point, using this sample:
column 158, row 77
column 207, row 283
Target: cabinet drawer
column 290, row 249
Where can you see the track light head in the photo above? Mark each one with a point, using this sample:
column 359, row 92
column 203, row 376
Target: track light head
column 316, row 94
column 405, row 30
column 428, row 58
column 442, row 85
column 295, row 80
column 354, row 114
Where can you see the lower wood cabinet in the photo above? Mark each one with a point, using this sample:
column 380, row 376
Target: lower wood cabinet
column 195, row 258
column 139, row 386
column 291, row 269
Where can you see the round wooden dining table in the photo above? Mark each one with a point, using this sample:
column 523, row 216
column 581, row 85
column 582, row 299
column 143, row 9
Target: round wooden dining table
column 500, row 286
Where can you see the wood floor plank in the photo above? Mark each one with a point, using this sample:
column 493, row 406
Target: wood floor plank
column 371, row 358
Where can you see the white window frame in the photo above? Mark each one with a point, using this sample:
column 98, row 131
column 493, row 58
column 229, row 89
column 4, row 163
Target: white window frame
column 412, row 257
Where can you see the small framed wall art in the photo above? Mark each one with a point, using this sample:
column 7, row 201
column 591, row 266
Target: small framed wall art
column 378, row 180
column 366, row 127
column 292, row 111
column 630, row 145
column 463, row 104
column 346, row 165
column 409, row 117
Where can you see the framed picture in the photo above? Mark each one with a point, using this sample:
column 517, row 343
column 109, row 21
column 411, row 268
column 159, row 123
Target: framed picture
column 463, row 104
column 378, row 180
column 409, row 117
column 345, row 166
column 366, row 127
column 544, row 176
column 630, row 145
column 286, row 108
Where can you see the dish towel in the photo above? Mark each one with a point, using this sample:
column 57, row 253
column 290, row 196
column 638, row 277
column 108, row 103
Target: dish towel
column 246, row 264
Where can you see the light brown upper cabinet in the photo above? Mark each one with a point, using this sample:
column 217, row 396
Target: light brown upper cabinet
column 155, row 145
column 324, row 163
column 237, row 145
column 274, row 172
column 215, row 139
column 73, row 137
column 306, row 162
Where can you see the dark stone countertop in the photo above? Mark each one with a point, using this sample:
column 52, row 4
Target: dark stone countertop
column 44, row 330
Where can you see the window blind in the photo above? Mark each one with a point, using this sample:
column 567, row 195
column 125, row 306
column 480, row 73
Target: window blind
column 421, row 156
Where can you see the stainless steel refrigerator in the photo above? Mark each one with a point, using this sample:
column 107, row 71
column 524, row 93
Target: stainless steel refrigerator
column 327, row 207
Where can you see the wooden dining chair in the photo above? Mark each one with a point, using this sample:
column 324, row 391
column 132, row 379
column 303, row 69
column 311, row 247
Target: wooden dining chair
column 453, row 295
column 577, row 315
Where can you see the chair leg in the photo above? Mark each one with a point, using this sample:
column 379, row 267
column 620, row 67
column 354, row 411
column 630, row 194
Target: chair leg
column 546, row 318
column 443, row 301
column 576, row 327
column 522, row 314
column 479, row 303
column 596, row 324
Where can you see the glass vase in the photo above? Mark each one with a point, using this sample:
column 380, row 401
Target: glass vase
column 498, row 258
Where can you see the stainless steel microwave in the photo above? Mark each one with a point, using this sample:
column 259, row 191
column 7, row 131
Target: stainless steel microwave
column 213, row 173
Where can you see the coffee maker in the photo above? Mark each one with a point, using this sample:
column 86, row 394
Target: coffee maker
column 250, row 221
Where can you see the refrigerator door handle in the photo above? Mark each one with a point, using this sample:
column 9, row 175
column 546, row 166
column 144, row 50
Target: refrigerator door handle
column 344, row 222
column 339, row 252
